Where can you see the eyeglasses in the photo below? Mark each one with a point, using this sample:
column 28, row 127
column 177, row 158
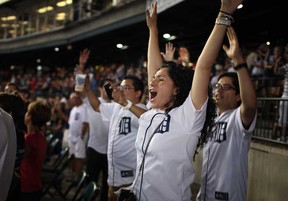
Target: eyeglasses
column 223, row 86
column 125, row 87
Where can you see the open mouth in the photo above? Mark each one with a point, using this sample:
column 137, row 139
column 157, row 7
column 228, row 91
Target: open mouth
column 216, row 96
column 153, row 94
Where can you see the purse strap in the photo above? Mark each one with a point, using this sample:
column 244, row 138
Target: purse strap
column 145, row 152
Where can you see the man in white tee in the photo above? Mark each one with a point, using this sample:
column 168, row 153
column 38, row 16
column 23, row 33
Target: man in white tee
column 123, row 129
column 78, row 128
column 225, row 154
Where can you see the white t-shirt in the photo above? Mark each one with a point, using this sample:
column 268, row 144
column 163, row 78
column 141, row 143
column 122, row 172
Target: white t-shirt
column 98, row 129
column 121, row 151
column 168, row 171
column 77, row 117
column 7, row 152
column 225, row 159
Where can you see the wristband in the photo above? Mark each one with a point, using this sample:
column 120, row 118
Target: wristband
column 221, row 11
column 223, row 20
column 127, row 107
column 241, row 65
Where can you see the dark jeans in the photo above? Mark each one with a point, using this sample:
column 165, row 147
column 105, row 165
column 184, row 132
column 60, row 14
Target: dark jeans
column 97, row 163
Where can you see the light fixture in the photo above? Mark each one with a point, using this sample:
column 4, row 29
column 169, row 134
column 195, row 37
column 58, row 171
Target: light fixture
column 23, row 22
column 56, row 49
column 172, row 37
column 3, row 1
column 166, row 35
column 60, row 16
column 61, row 3
column 240, row 6
column 45, row 9
column 64, row 3
column 8, row 18
column 119, row 45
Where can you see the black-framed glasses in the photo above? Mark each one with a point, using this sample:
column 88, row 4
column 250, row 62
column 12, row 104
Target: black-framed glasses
column 223, row 86
column 126, row 87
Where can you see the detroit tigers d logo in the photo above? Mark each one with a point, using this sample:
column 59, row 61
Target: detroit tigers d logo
column 125, row 126
column 219, row 132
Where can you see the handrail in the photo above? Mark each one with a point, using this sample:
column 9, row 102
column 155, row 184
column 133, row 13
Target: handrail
column 272, row 120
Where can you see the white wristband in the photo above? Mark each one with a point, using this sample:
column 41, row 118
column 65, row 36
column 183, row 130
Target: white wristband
column 223, row 20
column 127, row 107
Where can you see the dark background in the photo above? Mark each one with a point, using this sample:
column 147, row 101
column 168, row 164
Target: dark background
column 191, row 21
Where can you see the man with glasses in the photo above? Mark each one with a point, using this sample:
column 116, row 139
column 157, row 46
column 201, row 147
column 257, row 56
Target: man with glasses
column 123, row 127
column 225, row 154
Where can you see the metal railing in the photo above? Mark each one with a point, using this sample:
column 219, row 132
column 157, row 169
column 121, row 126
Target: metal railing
column 272, row 119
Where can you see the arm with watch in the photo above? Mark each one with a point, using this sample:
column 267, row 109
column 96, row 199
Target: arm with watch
column 247, row 91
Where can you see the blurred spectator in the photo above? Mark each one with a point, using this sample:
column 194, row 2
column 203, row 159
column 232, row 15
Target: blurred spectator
column 16, row 107
column 97, row 144
column 258, row 60
column 78, row 129
column 7, row 152
column 37, row 115
column 11, row 87
column 281, row 68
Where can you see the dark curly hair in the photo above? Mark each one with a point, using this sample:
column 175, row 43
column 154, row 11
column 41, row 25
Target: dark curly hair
column 209, row 121
column 182, row 78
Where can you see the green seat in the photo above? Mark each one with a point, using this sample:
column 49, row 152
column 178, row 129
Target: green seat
column 90, row 192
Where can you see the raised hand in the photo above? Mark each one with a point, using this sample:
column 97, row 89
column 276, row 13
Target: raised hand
column 151, row 18
column 229, row 6
column 83, row 58
column 118, row 96
column 169, row 53
column 233, row 51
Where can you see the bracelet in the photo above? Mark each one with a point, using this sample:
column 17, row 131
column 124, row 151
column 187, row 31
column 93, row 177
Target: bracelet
column 241, row 65
column 127, row 107
column 222, row 20
column 229, row 16
column 221, row 11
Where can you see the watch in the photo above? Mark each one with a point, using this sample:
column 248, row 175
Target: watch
column 127, row 107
